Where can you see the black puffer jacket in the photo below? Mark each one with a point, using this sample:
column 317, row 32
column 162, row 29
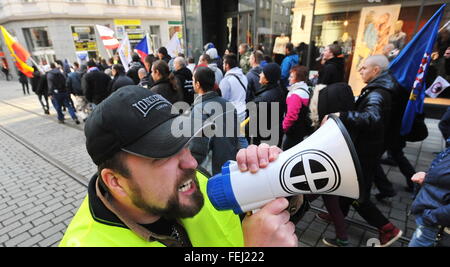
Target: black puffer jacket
column 270, row 94
column 369, row 122
column 332, row 72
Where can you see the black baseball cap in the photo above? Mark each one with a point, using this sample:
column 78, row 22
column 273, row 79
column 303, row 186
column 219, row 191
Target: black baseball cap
column 138, row 121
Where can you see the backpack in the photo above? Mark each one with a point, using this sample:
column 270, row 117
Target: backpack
column 59, row 82
column 75, row 83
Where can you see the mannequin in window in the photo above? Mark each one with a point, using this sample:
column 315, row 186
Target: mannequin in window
column 398, row 38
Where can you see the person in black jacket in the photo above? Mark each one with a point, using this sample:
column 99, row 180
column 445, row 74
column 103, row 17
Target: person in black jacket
column 334, row 66
column 209, row 106
column 120, row 78
column 184, row 76
column 165, row 82
column 148, row 62
column 23, row 79
column 40, row 88
column 95, row 84
column 135, row 65
column 367, row 125
column 253, row 75
column 163, row 54
column 269, row 100
column 58, row 93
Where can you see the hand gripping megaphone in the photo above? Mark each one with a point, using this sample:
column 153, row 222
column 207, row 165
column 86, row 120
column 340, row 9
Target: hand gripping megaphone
column 324, row 163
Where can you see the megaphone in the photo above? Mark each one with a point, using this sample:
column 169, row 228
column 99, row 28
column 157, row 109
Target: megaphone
column 324, row 163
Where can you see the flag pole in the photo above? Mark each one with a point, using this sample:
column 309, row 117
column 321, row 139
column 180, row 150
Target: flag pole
column 109, row 53
column 37, row 65
column 445, row 26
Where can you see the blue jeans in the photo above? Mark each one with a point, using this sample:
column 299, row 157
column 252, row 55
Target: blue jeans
column 60, row 99
column 424, row 236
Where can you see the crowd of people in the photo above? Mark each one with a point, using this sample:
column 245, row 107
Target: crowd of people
column 283, row 95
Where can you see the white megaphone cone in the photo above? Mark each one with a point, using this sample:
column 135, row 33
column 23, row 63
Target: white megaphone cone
column 324, row 163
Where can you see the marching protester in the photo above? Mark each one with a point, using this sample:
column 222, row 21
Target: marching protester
column 58, row 93
column 209, row 106
column 120, row 79
column 156, row 197
column 73, row 84
column 166, row 83
column 270, row 104
column 295, row 123
column 432, row 206
column 337, row 97
column 367, row 123
column 234, row 89
column 40, row 88
column 253, row 75
column 95, row 84
column 184, row 76
column 135, row 66
column 23, row 79
column 333, row 66
column 289, row 61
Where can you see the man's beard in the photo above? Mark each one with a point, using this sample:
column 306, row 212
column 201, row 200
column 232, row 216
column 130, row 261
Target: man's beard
column 173, row 209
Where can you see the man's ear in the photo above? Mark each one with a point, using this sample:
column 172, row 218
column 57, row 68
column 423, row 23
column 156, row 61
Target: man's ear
column 112, row 180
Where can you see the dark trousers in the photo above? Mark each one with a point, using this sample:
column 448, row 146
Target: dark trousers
column 382, row 182
column 44, row 105
column 62, row 99
column 364, row 206
column 25, row 88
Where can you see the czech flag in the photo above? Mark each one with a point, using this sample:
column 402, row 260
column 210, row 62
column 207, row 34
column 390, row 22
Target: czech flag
column 142, row 48
column 19, row 54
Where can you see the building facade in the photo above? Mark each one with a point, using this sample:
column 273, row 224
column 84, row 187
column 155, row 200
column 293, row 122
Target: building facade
column 361, row 27
column 65, row 29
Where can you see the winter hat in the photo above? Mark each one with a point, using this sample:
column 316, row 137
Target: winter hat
column 212, row 53
column 208, row 46
column 272, row 72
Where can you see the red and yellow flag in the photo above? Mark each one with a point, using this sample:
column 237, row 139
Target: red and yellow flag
column 19, row 54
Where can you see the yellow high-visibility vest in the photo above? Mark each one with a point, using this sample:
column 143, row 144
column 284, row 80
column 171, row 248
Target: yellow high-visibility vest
column 209, row 228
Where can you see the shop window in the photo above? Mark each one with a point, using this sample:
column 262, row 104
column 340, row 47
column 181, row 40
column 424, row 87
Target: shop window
column 155, row 33
column 37, row 38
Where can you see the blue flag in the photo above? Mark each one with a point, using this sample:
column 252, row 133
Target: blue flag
column 411, row 65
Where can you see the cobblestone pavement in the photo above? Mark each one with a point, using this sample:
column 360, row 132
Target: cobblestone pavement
column 38, row 200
